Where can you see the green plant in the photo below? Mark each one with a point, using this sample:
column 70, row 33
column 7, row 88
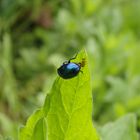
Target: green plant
column 122, row 129
column 67, row 112
column 36, row 35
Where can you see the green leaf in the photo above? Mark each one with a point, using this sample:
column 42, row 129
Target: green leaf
column 70, row 113
column 122, row 129
column 40, row 130
column 35, row 121
column 26, row 133
column 67, row 111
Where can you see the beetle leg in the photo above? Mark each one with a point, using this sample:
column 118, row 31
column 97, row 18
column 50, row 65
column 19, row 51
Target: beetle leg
column 73, row 58
column 81, row 71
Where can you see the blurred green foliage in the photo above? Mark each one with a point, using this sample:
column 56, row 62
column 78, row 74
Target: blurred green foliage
column 36, row 36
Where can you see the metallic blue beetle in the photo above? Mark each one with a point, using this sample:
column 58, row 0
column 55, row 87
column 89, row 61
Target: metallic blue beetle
column 70, row 69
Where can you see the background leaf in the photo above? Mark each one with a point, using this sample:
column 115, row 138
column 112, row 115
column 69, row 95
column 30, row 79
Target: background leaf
column 122, row 129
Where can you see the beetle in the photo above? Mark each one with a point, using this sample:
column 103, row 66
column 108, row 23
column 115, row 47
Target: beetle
column 70, row 69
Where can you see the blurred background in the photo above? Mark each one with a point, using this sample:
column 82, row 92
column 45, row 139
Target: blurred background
column 36, row 36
